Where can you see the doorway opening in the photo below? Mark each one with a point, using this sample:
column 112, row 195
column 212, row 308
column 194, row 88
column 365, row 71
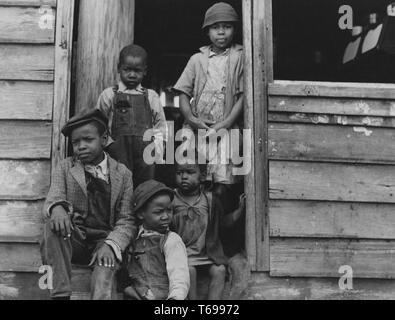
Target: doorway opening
column 171, row 32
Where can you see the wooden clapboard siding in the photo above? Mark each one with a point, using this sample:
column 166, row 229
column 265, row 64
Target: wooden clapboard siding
column 21, row 219
column 264, row 287
column 26, row 62
column 24, row 180
column 331, row 143
column 24, row 100
column 25, row 139
column 22, row 25
column 28, row 3
column 332, row 182
column 323, row 258
column 333, row 89
column 337, row 106
column 20, row 257
column 21, row 286
column 319, row 219
column 330, row 119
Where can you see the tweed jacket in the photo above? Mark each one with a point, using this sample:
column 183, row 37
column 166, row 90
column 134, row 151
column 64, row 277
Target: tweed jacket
column 68, row 187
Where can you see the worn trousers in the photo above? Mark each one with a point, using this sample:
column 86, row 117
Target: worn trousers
column 60, row 254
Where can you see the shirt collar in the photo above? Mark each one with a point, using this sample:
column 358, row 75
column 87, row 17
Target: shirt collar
column 104, row 164
column 123, row 88
column 212, row 53
column 146, row 233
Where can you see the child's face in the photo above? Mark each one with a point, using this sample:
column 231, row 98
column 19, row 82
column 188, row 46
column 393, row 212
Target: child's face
column 132, row 71
column 188, row 177
column 221, row 35
column 157, row 214
column 88, row 144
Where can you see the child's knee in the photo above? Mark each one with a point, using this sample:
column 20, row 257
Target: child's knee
column 218, row 272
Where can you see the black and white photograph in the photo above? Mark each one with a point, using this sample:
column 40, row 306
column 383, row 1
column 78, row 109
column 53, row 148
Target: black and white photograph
column 215, row 151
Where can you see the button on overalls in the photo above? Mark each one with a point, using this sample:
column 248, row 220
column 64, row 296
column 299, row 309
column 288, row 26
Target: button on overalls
column 132, row 118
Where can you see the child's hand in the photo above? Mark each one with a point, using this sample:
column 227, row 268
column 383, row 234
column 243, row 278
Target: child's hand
column 242, row 202
column 197, row 124
column 61, row 222
column 241, row 209
column 104, row 256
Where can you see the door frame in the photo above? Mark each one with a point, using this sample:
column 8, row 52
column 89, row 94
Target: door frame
column 258, row 74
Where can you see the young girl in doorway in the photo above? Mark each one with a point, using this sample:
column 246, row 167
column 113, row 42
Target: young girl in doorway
column 213, row 81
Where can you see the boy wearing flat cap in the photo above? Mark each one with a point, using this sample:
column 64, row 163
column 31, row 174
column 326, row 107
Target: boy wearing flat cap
column 158, row 266
column 88, row 210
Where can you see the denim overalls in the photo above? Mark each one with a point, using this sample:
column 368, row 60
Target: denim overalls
column 147, row 268
column 132, row 118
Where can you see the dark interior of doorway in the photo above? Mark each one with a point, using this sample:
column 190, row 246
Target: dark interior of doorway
column 170, row 31
column 309, row 45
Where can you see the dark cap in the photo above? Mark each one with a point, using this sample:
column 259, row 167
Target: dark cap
column 84, row 117
column 146, row 191
column 220, row 12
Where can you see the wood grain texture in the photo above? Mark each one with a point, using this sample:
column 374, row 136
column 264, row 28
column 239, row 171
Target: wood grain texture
column 19, row 257
column 21, row 219
column 332, row 182
column 28, row 3
column 330, row 119
column 264, row 287
column 263, row 75
column 316, row 219
column 62, row 84
column 331, row 143
column 99, row 44
column 333, row 89
column 25, row 139
column 251, row 237
column 22, row 100
column 24, row 180
column 323, row 258
column 334, row 106
column 22, row 25
column 26, row 62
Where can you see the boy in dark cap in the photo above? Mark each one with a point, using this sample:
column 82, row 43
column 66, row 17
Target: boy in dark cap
column 159, row 266
column 88, row 210
column 132, row 110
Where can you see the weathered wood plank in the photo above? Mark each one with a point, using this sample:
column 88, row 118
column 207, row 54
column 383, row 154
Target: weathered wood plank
column 333, row 89
column 336, row 106
column 264, row 287
column 62, row 83
column 28, row 3
column 330, row 119
column 263, row 75
column 25, row 25
column 332, row 182
column 323, row 258
column 25, row 139
column 251, row 238
column 21, row 100
column 331, row 143
column 21, row 219
column 26, row 62
column 316, row 219
column 99, row 45
column 24, row 180
column 21, row 286
column 19, row 257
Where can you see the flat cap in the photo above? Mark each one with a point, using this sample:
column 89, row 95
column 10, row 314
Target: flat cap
column 82, row 118
column 220, row 12
column 146, row 191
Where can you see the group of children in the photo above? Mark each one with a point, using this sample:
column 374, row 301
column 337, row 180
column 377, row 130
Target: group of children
column 104, row 208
